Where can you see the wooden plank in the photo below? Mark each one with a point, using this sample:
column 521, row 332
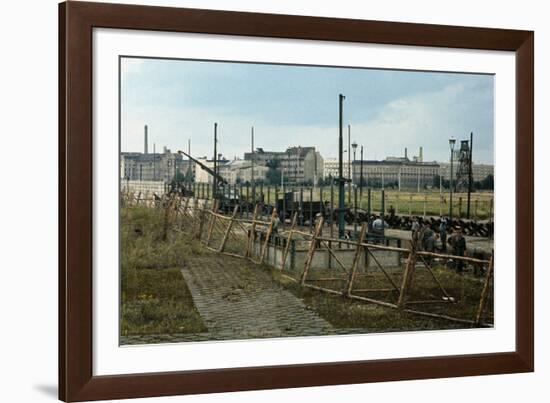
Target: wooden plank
column 289, row 240
column 268, row 235
column 228, row 230
column 396, row 249
column 329, row 249
column 202, row 216
column 314, row 287
column 251, row 232
column 373, row 289
column 311, row 251
column 407, row 276
column 212, row 221
column 358, row 249
column 484, row 292
column 388, row 277
column 443, row 290
column 373, row 301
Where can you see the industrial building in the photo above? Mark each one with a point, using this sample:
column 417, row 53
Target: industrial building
column 242, row 171
column 399, row 172
column 299, row 165
column 402, row 174
column 330, row 168
column 153, row 167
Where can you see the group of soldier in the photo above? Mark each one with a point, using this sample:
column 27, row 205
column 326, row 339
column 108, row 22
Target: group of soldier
column 442, row 240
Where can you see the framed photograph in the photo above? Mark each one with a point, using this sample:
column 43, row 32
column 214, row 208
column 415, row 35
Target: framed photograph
column 253, row 201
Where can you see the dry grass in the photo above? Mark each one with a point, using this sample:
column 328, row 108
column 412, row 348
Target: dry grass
column 154, row 296
column 345, row 313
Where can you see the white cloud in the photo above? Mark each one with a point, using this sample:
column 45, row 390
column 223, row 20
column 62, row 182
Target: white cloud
column 426, row 119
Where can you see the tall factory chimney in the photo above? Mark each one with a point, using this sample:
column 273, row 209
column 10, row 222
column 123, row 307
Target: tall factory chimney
column 420, row 157
column 145, row 145
column 406, row 153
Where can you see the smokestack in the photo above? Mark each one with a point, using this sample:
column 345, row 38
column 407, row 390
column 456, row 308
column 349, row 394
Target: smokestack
column 420, row 157
column 406, row 153
column 145, row 145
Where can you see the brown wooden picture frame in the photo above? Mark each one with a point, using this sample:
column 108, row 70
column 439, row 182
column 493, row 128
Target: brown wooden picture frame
column 76, row 23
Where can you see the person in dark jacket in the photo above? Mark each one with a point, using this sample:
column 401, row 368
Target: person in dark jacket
column 458, row 244
column 443, row 234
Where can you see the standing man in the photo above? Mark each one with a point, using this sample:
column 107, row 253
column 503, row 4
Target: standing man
column 415, row 230
column 378, row 226
column 429, row 244
column 276, row 223
column 415, row 226
column 392, row 213
column 443, row 234
column 458, row 243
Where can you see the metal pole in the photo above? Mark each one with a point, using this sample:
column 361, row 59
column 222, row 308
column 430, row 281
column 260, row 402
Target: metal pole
column 451, row 191
column 215, row 180
column 349, row 164
column 154, row 158
column 252, row 165
column 361, row 177
column 341, row 181
column 470, row 176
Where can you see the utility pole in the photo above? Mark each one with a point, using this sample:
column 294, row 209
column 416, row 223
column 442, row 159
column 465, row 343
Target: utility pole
column 215, row 180
column 470, row 175
column 452, row 142
column 145, row 141
column 361, row 176
column 252, row 165
column 154, row 158
column 341, row 180
column 349, row 164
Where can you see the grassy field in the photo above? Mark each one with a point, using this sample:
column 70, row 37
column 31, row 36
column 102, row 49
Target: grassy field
column 155, row 298
column 428, row 201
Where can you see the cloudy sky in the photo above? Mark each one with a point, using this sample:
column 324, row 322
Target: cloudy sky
column 298, row 106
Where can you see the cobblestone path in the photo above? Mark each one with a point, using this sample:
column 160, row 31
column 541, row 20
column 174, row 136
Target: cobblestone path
column 237, row 300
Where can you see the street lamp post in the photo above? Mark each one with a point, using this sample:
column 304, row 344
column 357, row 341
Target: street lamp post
column 341, row 180
column 452, row 142
column 361, row 176
column 349, row 164
column 354, row 147
column 215, row 179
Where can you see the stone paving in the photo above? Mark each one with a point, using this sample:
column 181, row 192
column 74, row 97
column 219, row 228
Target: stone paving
column 238, row 301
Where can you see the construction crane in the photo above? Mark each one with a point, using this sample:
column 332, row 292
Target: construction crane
column 207, row 169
